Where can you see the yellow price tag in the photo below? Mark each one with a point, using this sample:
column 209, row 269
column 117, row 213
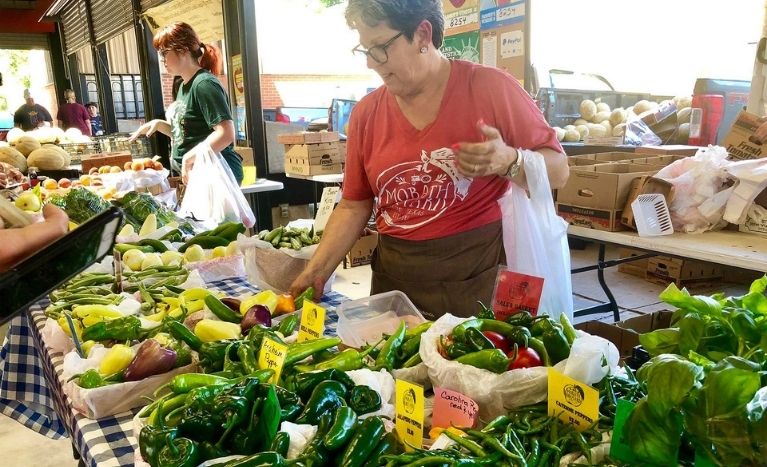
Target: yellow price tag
column 272, row 355
column 573, row 402
column 409, row 409
column 312, row 322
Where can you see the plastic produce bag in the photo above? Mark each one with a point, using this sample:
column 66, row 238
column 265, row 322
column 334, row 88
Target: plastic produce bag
column 212, row 194
column 701, row 190
column 495, row 393
column 752, row 180
column 535, row 238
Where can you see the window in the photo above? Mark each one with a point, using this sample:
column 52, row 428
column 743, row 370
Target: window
column 128, row 96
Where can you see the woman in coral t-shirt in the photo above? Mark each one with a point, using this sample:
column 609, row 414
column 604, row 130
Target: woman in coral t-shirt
column 432, row 150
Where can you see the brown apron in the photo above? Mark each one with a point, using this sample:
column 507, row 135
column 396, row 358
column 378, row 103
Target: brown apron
column 443, row 275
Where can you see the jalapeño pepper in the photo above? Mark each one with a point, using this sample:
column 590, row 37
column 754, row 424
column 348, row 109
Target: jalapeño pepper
column 307, row 294
column 553, row 338
column 288, row 325
column 363, row 442
column 491, row 359
column 342, row 429
column 182, row 333
column 327, row 396
column 306, row 382
column 477, row 341
column 281, row 443
column 485, row 312
column 262, row 459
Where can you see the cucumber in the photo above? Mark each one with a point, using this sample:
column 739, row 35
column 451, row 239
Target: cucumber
column 158, row 246
column 274, row 233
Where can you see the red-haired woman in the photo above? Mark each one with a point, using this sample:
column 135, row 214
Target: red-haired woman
column 201, row 110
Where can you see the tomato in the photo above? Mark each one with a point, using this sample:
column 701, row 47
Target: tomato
column 498, row 340
column 525, row 358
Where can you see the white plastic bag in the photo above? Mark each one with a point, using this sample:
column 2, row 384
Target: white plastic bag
column 700, row 190
column 495, row 393
column 212, row 194
column 535, row 238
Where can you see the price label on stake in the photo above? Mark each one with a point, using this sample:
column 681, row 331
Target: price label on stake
column 312, row 322
column 272, row 356
column 409, row 413
column 452, row 408
column 572, row 401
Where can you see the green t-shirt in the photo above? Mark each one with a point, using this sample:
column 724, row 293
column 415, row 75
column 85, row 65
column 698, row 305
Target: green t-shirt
column 200, row 105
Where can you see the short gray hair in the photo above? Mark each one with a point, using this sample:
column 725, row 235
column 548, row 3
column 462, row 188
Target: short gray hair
column 402, row 15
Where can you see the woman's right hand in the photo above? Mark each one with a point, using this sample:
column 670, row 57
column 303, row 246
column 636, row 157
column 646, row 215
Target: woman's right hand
column 305, row 280
column 147, row 129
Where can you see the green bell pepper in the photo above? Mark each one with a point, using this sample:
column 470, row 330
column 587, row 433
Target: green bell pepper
column 364, row 400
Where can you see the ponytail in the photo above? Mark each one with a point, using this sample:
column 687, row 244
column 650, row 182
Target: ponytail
column 211, row 59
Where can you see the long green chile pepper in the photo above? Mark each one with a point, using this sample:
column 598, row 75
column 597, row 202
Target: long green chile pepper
column 327, row 396
column 298, row 352
column 288, row 325
column 348, row 360
column 410, row 347
column 466, row 443
column 494, row 443
column 388, row 356
column 281, row 443
column 412, row 361
column 223, row 312
column 418, row 330
column 477, row 341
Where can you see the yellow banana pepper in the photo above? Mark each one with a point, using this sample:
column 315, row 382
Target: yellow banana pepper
column 65, row 326
column 159, row 316
column 172, row 301
column 87, row 346
column 175, row 313
column 163, row 338
column 195, row 305
column 209, row 330
column 90, row 320
column 268, row 298
column 117, row 359
column 81, row 311
column 193, row 294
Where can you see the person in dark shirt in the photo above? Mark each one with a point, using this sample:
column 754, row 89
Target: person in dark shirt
column 30, row 115
column 74, row 115
column 97, row 127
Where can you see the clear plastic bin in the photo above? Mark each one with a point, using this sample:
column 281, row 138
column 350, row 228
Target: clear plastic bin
column 366, row 320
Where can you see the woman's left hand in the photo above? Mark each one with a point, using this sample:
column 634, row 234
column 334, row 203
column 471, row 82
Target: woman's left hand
column 490, row 157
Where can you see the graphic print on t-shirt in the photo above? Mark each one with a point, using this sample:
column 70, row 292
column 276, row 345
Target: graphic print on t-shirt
column 415, row 193
column 177, row 111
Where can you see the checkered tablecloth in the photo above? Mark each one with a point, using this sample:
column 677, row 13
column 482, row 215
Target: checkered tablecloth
column 31, row 387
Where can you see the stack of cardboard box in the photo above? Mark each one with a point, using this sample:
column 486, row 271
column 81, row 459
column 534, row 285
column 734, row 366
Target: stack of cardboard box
column 311, row 153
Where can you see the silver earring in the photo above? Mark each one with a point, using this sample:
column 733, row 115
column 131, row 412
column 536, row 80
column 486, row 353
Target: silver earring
column 424, row 50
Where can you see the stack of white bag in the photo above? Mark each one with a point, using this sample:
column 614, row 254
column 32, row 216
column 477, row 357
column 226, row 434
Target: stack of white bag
column 496, row 393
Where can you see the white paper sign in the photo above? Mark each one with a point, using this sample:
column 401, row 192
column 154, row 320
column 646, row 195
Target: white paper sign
column 512, row 44
column 489, row 50
column 325, row 208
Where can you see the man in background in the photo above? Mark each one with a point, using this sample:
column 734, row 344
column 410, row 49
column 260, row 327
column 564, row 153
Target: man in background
column 30, row 115
column 74, row 115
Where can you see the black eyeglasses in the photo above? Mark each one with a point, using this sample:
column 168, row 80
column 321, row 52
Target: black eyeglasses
column 377, row 52
column 163, row 53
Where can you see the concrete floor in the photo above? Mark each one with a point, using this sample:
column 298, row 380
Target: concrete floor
column 22, row 447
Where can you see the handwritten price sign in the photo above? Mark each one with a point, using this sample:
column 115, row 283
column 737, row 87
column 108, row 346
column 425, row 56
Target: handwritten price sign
column 272, row 356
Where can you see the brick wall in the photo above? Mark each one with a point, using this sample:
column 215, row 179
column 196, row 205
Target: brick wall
column 270, row 96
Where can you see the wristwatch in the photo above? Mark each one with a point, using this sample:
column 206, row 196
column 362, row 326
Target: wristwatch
column 515, row 167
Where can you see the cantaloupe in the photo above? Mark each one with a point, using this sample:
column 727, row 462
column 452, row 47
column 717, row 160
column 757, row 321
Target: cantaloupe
column 48, row 158
column 588, row 109
column 12, row 156
column 26, row 144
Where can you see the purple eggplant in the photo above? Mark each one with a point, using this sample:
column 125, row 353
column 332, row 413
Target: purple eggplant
column 151, row 359
column 256, row 315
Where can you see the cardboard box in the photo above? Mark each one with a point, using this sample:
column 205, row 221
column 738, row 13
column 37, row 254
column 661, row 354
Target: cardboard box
column 602, row 186
column 602, row 157
column 662, row 160
column 118, row 159
column 464, row 46
column 754, row 224
column 460, row 16
column 599, row 219
column 504, row 48
column 342, row 151
column 636, row 268
column 313, row 159
column 308, row 137
column 362, row 251
column 683, row 272
column 670, row 149
column 740, row 142
column 625, row 334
